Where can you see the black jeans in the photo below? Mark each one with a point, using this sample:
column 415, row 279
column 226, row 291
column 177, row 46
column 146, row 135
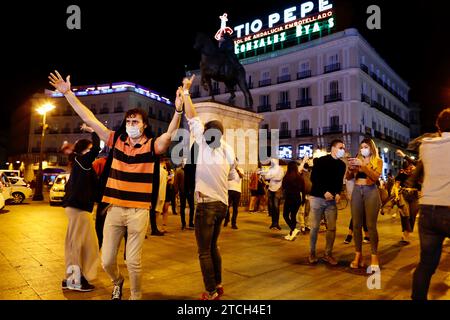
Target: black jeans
column 189, row 196
column 274, row 206
column 208, row 220
column 291, row 206
column 233, row 201
column 434, row 227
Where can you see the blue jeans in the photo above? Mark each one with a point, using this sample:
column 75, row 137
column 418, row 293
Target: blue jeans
column 365, row 202
column 319, row 207
column 274, row 206
column 208, row 219
column 434, row 227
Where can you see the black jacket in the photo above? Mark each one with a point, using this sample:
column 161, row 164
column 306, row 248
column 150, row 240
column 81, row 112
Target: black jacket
column 327, row 175
column 81, row 189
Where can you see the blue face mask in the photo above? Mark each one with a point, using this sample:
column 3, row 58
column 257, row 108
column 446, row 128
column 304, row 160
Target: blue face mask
column 365, row 152
column 133, row 132
column 340, row 153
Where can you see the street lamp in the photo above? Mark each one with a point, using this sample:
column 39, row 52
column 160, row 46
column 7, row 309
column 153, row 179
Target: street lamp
column 385, row 149
column 38, row 196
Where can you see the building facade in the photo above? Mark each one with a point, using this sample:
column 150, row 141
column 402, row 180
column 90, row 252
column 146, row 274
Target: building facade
column 108, row 102
column 336, row 86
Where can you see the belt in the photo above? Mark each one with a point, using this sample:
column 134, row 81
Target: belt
column 202, row 198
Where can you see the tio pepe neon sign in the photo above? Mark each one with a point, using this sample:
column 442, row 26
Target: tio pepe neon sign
column 289, row 15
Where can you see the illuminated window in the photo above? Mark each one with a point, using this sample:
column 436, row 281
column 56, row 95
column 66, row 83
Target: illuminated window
column 285, row 152
column 305, row 149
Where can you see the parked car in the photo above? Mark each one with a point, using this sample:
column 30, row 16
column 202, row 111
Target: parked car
column 2, row 200
column 5, row 186
column 18, row 181
column 20, row 190
column 57, row 191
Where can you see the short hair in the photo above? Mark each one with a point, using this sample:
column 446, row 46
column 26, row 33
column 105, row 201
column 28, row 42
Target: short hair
column 144, row 116
column 335, row 142
column 443, row 121
column 214, row 124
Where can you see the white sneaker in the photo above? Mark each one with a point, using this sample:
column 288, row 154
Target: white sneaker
column 295, row 233
column 288, row 237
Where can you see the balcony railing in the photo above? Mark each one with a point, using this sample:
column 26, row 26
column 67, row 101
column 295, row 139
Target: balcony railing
column 305, row 132
column 216, row 91
column 303, row 74
column 266, row 82
column 264, row 108
column 284, row 78
column 93, row 110
column 35, row 150
column 152, row 115
column 337, row 96
column 303, row 102
column 104, row 110
column 285, row 134
column 53, row 131
column 51, row 150
column 332, row 129
column 250, row 85
column 332, row 67
column 365, row 98
column 364, row 68
column 283, row 105
column 77, row 130
column 66, row 130
column 389, row 113
column 118, row 109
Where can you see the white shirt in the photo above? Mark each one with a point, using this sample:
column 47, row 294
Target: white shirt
column 213, row 165
column 163, row 174
column 235, row 184
column 435, row 155
column 275, row 174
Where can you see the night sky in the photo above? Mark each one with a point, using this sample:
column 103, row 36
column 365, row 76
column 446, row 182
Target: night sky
column 139, row 42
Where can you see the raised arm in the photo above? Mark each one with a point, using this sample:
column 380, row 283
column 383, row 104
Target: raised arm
column 188, row 105
column 85, row 114
column 162, row 143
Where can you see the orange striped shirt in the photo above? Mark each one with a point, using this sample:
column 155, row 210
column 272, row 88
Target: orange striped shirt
column 130, row 178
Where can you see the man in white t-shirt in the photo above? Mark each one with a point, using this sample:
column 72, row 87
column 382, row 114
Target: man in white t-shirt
column 234, row 196
column 214, row 168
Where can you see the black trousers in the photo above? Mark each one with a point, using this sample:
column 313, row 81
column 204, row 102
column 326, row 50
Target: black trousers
column 100, row 216
column 233, row 201
column 189, row 197
column 291, row 206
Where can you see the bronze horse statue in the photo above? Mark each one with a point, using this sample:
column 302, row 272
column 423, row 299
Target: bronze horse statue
column 221, row 64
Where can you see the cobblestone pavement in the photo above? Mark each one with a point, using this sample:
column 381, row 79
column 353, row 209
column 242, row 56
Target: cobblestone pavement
column 257, row 263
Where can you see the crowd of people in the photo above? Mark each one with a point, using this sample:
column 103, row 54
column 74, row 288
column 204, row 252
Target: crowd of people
column 135, row 186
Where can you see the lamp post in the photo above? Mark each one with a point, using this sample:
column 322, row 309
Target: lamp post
column 38, row 196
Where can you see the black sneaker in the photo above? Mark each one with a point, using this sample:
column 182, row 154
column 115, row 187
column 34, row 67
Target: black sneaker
column 366, row 240
column 157, row 233
column 225, row 223
column 234, row 226
column 84, row 285
column 117, row 291
column 64, row 284
column 348, row 239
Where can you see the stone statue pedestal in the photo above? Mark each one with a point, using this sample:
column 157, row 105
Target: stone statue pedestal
column 241, row 129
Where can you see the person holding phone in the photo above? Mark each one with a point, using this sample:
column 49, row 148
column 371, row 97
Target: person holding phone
column 366, row 169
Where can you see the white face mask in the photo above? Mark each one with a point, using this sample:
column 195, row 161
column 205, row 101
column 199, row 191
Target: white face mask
column 133, row 132
column 365, row 152
column 340, row 153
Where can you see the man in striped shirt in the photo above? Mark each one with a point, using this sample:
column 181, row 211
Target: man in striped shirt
column 129, row 186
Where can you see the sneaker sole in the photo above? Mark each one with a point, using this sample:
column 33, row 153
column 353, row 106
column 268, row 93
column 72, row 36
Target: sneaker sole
column 80, row 289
